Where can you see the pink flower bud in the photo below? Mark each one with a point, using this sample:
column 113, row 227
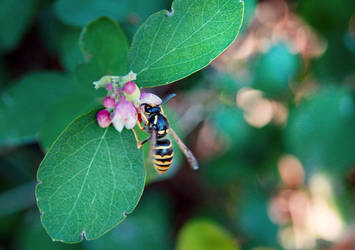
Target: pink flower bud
column 109, row 102
column 109, row 87
column 129, row 88
column 132, row 92
column 103, row 118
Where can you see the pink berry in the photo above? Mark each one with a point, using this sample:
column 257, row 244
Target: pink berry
column 109, row 102
column 129, row 88
column 103, row 118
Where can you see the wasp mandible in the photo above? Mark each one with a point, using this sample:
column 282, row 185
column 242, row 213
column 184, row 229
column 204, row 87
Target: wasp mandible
column 156, row 124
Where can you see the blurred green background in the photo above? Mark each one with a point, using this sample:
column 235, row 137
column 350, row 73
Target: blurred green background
column 272, row 122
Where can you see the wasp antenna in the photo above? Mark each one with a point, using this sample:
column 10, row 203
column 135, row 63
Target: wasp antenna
column 168, row 98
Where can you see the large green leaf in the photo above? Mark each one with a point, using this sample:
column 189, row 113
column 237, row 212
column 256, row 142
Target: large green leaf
column 24, row 105
column 90, row 179
column 15, row 18
column 172, row 45
column 61, row 115
column 203, row 234
column 105, row 47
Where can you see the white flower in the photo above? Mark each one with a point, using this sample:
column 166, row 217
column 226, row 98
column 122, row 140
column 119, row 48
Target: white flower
column 124, row 114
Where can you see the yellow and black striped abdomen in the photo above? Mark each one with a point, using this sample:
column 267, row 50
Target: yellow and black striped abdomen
column 163, row 155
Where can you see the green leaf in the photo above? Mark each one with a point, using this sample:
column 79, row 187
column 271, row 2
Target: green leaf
column 203, row 234
column 149, row 227
column 15, row 18
column 320, row 131
column 105, row 47
column 235, row 131
column 172, row 45
column 69, row 50
column 276, row 69
column 24, row 105
column 90, row 179
column 253, row 218
column 81, row 12
column 32, row 236
column 17, row 199
column 61, row 115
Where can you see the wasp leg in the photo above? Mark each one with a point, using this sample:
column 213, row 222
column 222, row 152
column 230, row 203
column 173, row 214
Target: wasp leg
column 139, row 143
column 140, row 126
column 143, row 115
column 189, row 155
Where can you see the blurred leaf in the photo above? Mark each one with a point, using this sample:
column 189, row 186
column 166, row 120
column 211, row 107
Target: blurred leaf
column 61, row 40
column 320, row 132
column 328, row 69
column 24, row 105
column 61, row 115
column 337, row 15
column 253, row 219
column 4, row 75
column 149, row 227
column 250, row 6
column 69, row 51
column 234, row 130
column 49, row 28
column 17, row 166
column 8, row 225
column 130, row 13
column 105, row 47
column 276, row 69
column 334, row 30
column 172, row 45
column 81, row 12
column 33, row 236
column 15, row 19
column 203, row 234
column 17, row 199
column 90, row 179
column 224, row 170
column 138, row 11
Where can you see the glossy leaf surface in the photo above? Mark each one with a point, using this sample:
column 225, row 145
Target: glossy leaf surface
column 172, row 45
column 89, row 180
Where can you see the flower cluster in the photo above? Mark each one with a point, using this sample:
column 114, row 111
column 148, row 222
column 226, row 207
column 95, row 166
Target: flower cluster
column 122, row 101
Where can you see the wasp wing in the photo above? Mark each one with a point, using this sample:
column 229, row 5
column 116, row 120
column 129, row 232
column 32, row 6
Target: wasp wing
column 189, row 155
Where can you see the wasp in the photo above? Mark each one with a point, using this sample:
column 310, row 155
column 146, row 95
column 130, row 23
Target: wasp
column 157, row 126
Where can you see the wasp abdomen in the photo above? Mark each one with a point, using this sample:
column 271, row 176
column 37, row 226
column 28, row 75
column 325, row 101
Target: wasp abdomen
column 163, row 155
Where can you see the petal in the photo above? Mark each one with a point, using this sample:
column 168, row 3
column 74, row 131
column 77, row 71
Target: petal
column 118, row 123
column 130, row 122
column 149, row 98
